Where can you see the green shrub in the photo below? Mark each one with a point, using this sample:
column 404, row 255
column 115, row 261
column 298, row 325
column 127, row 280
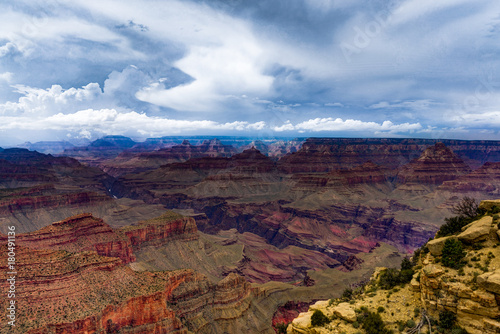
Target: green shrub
column 318, row 319
column 373, row 324
column 453, row 254
column 447, row 319
column 347, row 294
column 380, row 309
column 453, row 225
column 355, row 324
column 389, row 278
column 406, row 264
column 281, row 328
column 401, row 326
column 416, row 312
column 410, row 323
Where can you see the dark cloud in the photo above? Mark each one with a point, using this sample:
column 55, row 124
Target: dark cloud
column 395, row 68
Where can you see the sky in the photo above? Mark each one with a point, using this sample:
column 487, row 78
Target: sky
column 73, row 70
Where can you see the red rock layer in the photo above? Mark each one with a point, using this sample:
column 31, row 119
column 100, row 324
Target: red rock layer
column 249, row 161
column 286, row 313
column 76, row 293
column 163, row 229
column 368, row 173
column 485, row 179
column 436, row 165
column 79, row 233
column 325, row 154
column 18, row 203
column 131, row 162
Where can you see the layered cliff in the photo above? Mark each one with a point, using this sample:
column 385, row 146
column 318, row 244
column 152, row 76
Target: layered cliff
column 325, row 154
column 485, row 179
column 136, row 162
column 436, row 165
column 27, row 200
column 168, row 227
column 78, row 234
column 72, row 277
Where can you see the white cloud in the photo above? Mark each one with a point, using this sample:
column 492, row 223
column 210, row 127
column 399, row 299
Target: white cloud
column 334, row 105
column 6, row 76
column 52, row 100
column 111, row 121
column 485, row 119
column 338, row 124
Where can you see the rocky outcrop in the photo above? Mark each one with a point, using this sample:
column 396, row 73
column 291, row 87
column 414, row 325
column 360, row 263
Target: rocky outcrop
column 60, row 288
column 436, row 165
column 168, row 227
column 30, row 200
column 77, row 234
column 471, row 294
column 136, row 162
column 478, row 231
column 436, row 246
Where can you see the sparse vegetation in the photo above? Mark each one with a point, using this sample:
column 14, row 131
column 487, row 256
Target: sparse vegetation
column 390, row 278
column 453, row 225
column 281, row 327
column 372, row 323
column 447, row 319
column 318, row 318
column 453, row 254
column 347, row 294
column 467, row 207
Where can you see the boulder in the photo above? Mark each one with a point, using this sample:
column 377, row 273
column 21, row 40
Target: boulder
column 432, row 270
column 436, row 246
column 490, row 281
column 345, row 312
column 491, row 325
column 303, row 321
column 489, row 204
column 477, row 231
column 471, row 307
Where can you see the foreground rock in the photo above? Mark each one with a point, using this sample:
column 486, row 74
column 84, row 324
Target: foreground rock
column 472, row 294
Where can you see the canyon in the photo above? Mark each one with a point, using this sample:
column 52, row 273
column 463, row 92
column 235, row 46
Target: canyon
column 250, row 229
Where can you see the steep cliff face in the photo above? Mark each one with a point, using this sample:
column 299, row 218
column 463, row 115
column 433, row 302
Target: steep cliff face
column 22, row 201
column 157, row 231
column 76, row 234
column 436, row 165
column 84, row 232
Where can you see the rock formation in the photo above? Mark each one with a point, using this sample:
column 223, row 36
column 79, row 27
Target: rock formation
column 135, row 162
column 467, row 290
column 436, row 165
